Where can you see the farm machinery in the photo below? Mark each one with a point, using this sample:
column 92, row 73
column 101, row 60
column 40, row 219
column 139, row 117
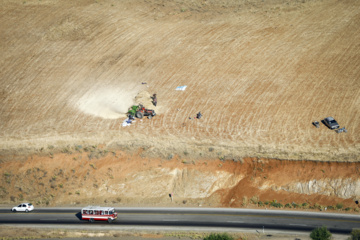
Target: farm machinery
column 140, row 111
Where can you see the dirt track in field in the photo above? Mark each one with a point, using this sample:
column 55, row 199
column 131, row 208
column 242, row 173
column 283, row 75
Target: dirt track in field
column 259, row 72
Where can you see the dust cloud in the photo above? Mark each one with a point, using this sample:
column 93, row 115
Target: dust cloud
column 107, row 103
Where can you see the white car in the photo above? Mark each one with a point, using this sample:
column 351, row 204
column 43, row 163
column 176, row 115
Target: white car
column 24, row 207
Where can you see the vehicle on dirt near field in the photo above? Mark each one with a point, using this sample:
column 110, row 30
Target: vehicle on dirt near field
column 24, row 207
column 316, row 124
column 331, row 123
column 96, row 213
column 140, row 111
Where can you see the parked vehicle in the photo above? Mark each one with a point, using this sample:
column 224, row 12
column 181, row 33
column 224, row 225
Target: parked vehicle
column 96, row 213
column 316, row 124
column 140, row 111
column 24, row 207
column 331, row 123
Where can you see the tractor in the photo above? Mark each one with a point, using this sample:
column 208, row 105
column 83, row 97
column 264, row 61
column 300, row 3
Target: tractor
column 140, row 111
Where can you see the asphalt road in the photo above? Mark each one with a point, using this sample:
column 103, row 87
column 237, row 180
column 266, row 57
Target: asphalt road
column 194, row 217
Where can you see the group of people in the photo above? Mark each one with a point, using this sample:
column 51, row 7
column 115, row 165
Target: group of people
column 198, row 115
column 154, row 102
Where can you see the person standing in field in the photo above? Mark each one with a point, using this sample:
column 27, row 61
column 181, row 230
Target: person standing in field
column 154, row 99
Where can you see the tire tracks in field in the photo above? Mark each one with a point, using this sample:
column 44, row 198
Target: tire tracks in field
column 258, row 79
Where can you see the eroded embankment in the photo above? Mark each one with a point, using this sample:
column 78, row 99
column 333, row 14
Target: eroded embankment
column 93, row 175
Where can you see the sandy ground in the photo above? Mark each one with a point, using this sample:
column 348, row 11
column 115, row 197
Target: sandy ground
column 260, row 73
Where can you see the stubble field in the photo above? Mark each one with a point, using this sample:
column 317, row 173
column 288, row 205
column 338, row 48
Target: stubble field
column 259, row 72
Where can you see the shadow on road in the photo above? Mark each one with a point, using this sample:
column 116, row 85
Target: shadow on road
column 78, row 215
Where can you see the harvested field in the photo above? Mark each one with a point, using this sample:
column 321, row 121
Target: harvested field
column 259, row 72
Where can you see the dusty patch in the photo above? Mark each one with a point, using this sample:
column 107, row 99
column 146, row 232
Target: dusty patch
column 107, row 103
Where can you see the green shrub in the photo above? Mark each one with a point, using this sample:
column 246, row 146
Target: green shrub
column 288, row 205
column 66, row 150
column 78, row 148
column 294, row 205
column 280, row 205
column 355, row 234
column 276, row 204
column 218, row 236
column 261, row 204
column 320, row 233
column 339, row 206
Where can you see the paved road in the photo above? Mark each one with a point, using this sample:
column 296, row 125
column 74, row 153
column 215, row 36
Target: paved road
column 194, row 217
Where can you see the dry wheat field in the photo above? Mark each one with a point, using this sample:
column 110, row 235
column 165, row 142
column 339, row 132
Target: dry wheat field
column 260, row 72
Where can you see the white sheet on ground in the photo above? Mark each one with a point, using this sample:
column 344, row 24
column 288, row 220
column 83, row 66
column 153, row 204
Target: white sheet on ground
column 181, row 88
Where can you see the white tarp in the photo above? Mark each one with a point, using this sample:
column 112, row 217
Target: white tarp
column 181, row 88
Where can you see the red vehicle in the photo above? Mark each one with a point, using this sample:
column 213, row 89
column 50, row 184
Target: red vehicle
column 96, row 213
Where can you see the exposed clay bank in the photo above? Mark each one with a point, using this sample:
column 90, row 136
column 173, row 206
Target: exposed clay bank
column 96, row 176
